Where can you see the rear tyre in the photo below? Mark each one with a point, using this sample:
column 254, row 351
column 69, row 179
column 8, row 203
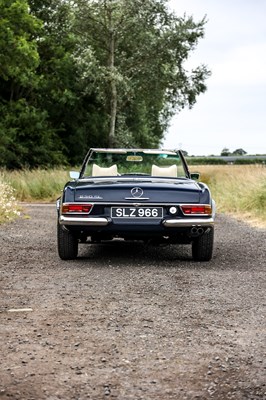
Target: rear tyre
column 67, row 244
column 202, row 247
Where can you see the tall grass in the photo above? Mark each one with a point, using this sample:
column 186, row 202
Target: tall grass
column 36, row 185
column 239, row 190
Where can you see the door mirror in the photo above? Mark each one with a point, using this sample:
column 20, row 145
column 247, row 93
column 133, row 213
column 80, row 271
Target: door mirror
column 195, row 176
column 74, row 174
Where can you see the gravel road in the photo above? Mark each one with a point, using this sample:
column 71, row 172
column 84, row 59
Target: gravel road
column 131, row 322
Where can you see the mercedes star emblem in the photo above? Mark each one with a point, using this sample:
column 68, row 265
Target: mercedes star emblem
column 136, row 192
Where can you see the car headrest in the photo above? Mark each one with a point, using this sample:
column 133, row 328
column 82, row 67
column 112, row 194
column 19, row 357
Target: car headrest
column 101, row 171
column 164, row 171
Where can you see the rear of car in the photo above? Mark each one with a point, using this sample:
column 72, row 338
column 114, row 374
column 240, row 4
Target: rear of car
column 135, row 194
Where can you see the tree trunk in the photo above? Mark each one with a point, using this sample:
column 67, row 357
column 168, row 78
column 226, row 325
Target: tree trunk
column 113, row 99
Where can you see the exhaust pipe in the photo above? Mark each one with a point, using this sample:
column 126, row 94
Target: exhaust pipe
column 196, row 231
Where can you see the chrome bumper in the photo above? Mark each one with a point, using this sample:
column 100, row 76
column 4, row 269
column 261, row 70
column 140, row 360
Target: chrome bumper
column 167, row 223
column 88, row 221
column 183, row 223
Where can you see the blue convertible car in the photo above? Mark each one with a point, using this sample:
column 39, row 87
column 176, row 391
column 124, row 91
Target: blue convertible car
column 135, row 194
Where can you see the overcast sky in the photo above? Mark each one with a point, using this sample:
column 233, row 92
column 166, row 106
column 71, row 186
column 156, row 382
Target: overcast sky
column 232, row 113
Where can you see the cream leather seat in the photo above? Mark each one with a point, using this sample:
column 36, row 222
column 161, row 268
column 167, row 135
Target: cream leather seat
column 101, row 171
column 164, row 171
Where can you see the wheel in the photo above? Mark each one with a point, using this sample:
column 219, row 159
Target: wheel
column 67, row 244
column 202, row 246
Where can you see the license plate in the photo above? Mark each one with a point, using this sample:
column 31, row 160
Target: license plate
column 137, row 212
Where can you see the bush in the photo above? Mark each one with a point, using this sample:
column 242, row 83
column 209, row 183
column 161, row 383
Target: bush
column 8, row 204
column 205, row 161
column 27, row 140
column 243, row 161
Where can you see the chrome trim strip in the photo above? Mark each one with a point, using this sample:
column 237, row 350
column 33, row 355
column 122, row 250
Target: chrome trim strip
column 180, row 180
column 88, row 221
column 175, row 223
column 137, row 198
column 127, row 150
column 123, row 203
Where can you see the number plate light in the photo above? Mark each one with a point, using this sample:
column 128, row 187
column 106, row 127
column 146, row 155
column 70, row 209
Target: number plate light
column 173, row 210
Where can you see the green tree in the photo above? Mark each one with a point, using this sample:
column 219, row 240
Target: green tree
column 19, row 56
column 131, row 54
column 75, row 74
column 239, row 152
column 225, row 152
column 27, row 138
column 74, row 114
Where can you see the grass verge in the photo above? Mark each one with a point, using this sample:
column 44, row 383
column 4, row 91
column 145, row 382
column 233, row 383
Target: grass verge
column 36, row 185
column 238, row 190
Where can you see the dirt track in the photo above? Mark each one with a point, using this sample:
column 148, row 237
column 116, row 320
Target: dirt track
column 130, row 322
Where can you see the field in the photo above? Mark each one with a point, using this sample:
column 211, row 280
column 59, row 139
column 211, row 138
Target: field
column 238, row 190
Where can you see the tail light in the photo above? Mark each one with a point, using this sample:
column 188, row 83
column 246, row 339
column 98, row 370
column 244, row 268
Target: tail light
column 192, row 209
column 76, row 208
